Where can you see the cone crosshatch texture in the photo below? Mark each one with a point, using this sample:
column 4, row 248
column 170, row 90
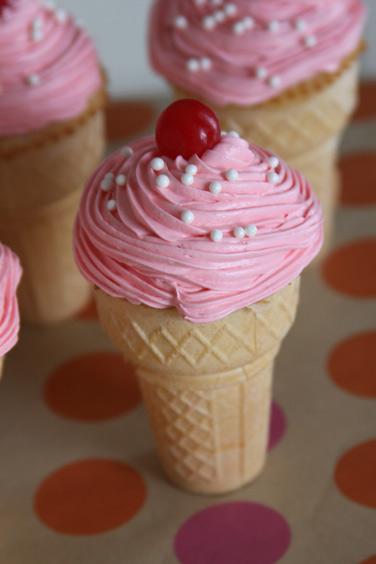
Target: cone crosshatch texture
column 304, row 127
column 41, row 177
column 206, row 387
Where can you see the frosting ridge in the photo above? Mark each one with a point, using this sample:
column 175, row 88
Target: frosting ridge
column 248, row 51
column 48, row 66
column 154, row 241
column 10, row 274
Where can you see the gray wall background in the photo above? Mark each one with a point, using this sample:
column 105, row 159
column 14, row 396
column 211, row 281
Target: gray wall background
column 119, row 28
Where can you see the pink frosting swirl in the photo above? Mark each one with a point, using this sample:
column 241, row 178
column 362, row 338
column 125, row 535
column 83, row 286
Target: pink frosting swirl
column 48, row 66
column 10, row 274
column 131, row 241
column 248, row 51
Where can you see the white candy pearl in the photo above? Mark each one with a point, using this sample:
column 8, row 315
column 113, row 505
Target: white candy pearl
column 219, row 16
column 200, row 2
column 37, row 34
column 61, row 15
column 215, row 187
column 261, row 73
column 162, row 181
column 111, row 205
column 238, row 28
column 273, row 25
column 157, row 164
column 187, row 179
column 273, row 162
column 205, row 63
column 181, row 22
column 250, row 230
column 239, row 232
column 310, row 41
column 232, row 175
column 216, row 2
column 49, row 4
column 126, row 152
column 109, row 175
column 273, row 177
column 300, row 24
column 230, row 9
column 216, row 235
column 223, row 133
column 248, row 22
column 121, row 180
column 274, row 81
column 106, row 184
column 191, row 169
column 193, row 65
column 187, row 216
column 209, row 22
column 33, row 79
column 234, row 134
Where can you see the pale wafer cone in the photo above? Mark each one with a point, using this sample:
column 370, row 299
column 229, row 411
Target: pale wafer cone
column 303, row 126
column 41, row 177
column 1, row 365
column 206, row 387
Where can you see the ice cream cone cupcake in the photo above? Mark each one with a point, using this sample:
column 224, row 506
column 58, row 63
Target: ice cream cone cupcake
column 283, row 75
column 51, row 138
column 194, row 243
column 10, row 274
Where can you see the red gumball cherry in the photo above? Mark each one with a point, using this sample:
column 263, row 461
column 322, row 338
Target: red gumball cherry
column 187, row 127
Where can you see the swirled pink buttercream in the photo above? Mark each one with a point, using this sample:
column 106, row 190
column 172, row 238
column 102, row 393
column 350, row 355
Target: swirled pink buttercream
column 10, row 274
column 48, row 66
column 131, row 241
column 246, row 52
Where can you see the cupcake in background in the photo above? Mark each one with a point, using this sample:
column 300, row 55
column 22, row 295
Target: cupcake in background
column 194, row 243
column 52, row 95
column 10, row 274
column 283, row 75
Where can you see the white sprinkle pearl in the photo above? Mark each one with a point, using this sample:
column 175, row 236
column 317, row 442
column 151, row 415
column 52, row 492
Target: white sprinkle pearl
column 261, row 73
column 193, row 65
column 230, row 9
column 300, row 24
column 121, row 180
column 273, row 162
column 273, row 177
column 238, row 28
column 109, row 175
column 37, row 23
column 219, row 16
column 191, row 169
column 181, row 22
column 187, row 216
column 61, row 15
column 208, row 22
column 162, row 181
column 205, row 63
column 248, row 22
column 216, row 235
column 216, row 2
column 274, row 81
column 232, row 174
column 200, row 2
column 37, row 34
column 106, row 184
column 250, row 230
column 157, row 163
column 33, row 79
column 111, row 205
column 49, row 4
column 215, row 187
column 239, row 232
column 187, row 179
column 310, row 41
column 273, row 25
column 234, row 134
column 223, row 133
column 126, row 152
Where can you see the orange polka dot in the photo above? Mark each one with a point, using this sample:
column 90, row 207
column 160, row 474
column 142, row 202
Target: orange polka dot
column 351, row 269
column 352, row 364
column 93, row 387
column 370, row 560
column 355, row 474
column 358, row 173
column 128, row 117
column 367, row 101
column 90, row 497
column 89, row 313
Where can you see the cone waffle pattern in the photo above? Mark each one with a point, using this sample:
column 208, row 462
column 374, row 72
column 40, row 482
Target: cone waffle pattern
column 206, row 387
column 40, row 191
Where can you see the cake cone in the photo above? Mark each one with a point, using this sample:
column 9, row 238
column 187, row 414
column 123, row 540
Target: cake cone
column 303, row 126
column 206, row 387
column 41, row 177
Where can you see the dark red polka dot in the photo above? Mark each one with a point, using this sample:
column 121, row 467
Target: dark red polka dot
column 370, row 560
column 128, row 118
column 358, row 175
column 367, row 101
column 355, row 474
column 93, row 387
column 90, row 497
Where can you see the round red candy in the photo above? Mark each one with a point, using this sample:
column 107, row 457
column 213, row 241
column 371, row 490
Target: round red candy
column 185, row 128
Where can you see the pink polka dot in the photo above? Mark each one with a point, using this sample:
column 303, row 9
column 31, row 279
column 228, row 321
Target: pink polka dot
column 277, row 425
column 238, row 532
